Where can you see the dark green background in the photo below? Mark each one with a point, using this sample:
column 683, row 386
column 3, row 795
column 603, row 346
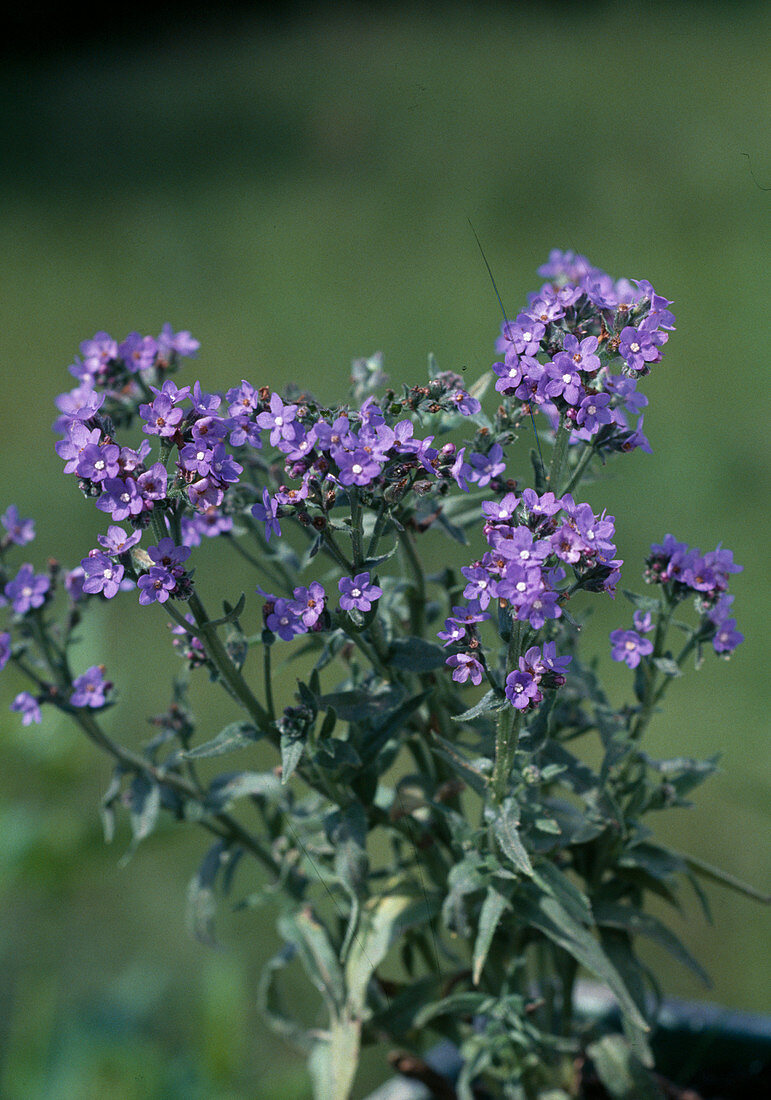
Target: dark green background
column 298, row 195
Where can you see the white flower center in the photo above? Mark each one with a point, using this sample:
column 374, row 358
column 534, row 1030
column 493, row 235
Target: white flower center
column 356, row 592
column 356, row 468
column 634, row 347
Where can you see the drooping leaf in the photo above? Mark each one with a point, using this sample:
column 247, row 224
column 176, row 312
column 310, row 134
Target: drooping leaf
column 107, row 807
column 637, row 923
column 723, row 878
column 144, row 805
column 201, row 905
column 270, row 1001
column 621, row 1073
column 493, row 908
column 555, row 882
column 507, row 835
column 547, row 915
column 318, row 956
column 346, row 830
column 359, row 705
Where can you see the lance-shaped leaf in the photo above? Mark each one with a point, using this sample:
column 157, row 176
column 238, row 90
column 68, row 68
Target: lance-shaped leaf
column 509, row 840
column 637, row 923
column 723, row 878
column 317, row 954
column 144, row 804
column 383, row 921
column 226, row 788
column 493, row 908
column 201, row 905
column 238, row 735
column 620, row 1072
column 493, row 700
column 547, row 915
column 270, row 1001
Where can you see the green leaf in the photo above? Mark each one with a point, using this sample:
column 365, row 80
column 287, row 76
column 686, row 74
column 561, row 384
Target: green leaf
column 230, row 613
column 509, row 840
column 201, row 905
column 555, row 882
column 346, row 830
column 493, row 700
column 317, row 954
column 144, row 804
column 226, row 788
column 109, row 799
column 384, row 921
column 492, row 910
column 359, row 705
column 621, row 1073
column 238, row 735
column 415, row 655
column 270, row 1002
column 637, row 923
column 292, row 749
column 547, row 915
column 723, row 878
column 475, row 778
column 456, row 1005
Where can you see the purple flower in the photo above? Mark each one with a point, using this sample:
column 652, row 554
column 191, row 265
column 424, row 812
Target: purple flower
column 170, row 556
column 73, row 582
column 643, row 622
column 157, row 584
column 278, row 419
column 101, row 575
column 267, row 513
column 162, row 417
column 594, row 411
column 120, row 498
column 629, row 646
column 5, row 648
column 138, row 352
column 521, row 689
column 78, row 438
column 89, row 690
column 20, row 531
column 638, row 347
column 27, row 589
column 465, row 403
column 180, row 343
column 582, row 355
column 727, row 637
column 98, row 461
column 196, row 457
column 358, row 592
column 153, row 482
column 563, row 380
column 116, row 541
column 284, row 620
column 223, row 466
column 465, row 666
column 205, row 493
column 357, row 467
column 485, row 467
column 309, row 603
column 27, row 706
column 453, row 633
column 481, row 586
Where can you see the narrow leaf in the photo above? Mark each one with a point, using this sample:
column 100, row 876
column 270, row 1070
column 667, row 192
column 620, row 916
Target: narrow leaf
column 492, row 910
column 201, row 905
column 620, row 1072
column 238, row 735
column 493, row 700
column 415, row 655
column 723, row 878
column 507, row 835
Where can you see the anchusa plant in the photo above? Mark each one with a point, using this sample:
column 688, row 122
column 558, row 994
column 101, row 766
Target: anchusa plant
column 442, row 860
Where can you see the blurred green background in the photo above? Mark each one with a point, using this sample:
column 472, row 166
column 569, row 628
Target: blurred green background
column 297, row 195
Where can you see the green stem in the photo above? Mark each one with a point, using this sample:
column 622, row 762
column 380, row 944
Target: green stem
column 578, row 473
column 356, row 529
column 509, row 725
column 559, row 454
column 266, row 652
column 380, row 523
column 418, row 601
column 227, row 670
column 233, row 829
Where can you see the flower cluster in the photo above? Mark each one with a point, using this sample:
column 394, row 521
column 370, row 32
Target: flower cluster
column 684, row 572
column 533, row 541
column 559, row 352
column 538, row 670
column 302, row 613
